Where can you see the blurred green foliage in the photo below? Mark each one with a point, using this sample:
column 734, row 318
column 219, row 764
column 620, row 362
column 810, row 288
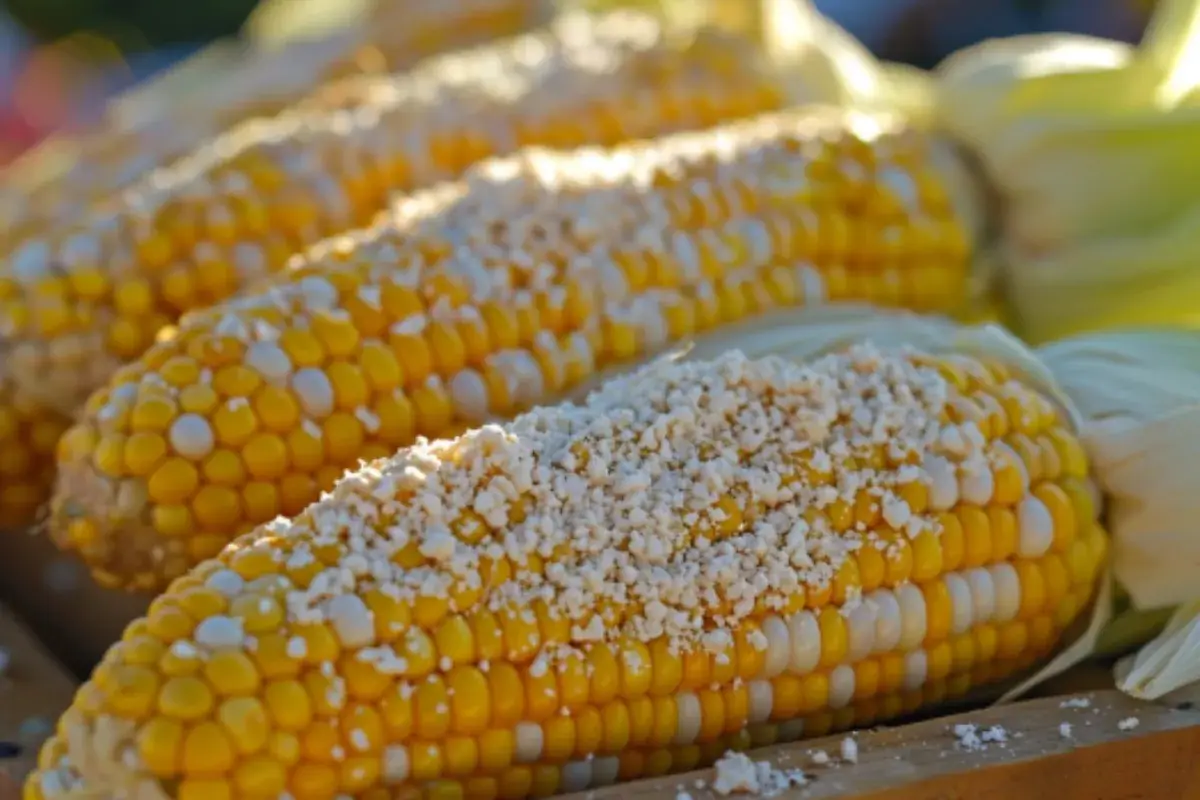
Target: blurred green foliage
column 133, row 25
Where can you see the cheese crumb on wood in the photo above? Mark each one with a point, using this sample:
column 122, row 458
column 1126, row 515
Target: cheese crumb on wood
column 1075, row 702
column 973, row 739
column 736, row 773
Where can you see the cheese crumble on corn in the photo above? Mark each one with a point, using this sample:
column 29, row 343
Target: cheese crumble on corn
column 707, row 556
column 77, row 303
column 481, row 298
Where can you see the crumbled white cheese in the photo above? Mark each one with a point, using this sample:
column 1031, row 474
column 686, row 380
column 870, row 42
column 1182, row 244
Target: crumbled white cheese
column 624, row 501
column 968, row 738
column 736, row 773
column 972, row 738
column 995, row 734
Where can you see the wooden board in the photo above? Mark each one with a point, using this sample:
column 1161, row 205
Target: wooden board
column 1156, row 760
column 34, row 690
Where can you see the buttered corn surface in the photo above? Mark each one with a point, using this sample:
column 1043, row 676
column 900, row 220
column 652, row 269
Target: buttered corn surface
column 75, row 304
column 705, row 556
column 481, row 298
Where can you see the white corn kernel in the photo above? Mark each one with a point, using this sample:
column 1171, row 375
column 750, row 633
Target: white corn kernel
column 916, row 670
column 779, row 648
column 805, row 636
column 529, row 742
column 889, row 620
column 962, row 613
column 688, row 724
column 762, row 700
column 314, row 391
column 191, row 436
column 1008, row 591
column 841, row 686
column 983, row 594
column 1035, row 528
column 913, row 616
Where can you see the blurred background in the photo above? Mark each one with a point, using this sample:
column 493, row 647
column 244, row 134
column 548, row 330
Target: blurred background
column 61, row 59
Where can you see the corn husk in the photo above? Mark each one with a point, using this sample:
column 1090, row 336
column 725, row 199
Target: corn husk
column 1132, row 396
column 828, row 66
column 1130, row 628
column 835, row 66
column 1140, row 394
column 1141, row 391
column 981, row 88
column 1171, row 50
column 1090, row 145
column 277, row 21
column 1110, row 281
column 1168, row 663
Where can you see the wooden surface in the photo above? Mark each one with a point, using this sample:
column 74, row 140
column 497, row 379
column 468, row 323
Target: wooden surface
column 1159, row 759
column 34, row 690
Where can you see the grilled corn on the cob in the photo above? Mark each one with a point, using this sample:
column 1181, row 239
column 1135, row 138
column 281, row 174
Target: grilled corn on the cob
column 76, row 304
column 705, row 556
column 395, row 35
column 484, row 297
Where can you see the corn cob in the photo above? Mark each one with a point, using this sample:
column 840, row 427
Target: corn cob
column 73, row 308
column 119, row 151
column 706, row 556
column 483, row 297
